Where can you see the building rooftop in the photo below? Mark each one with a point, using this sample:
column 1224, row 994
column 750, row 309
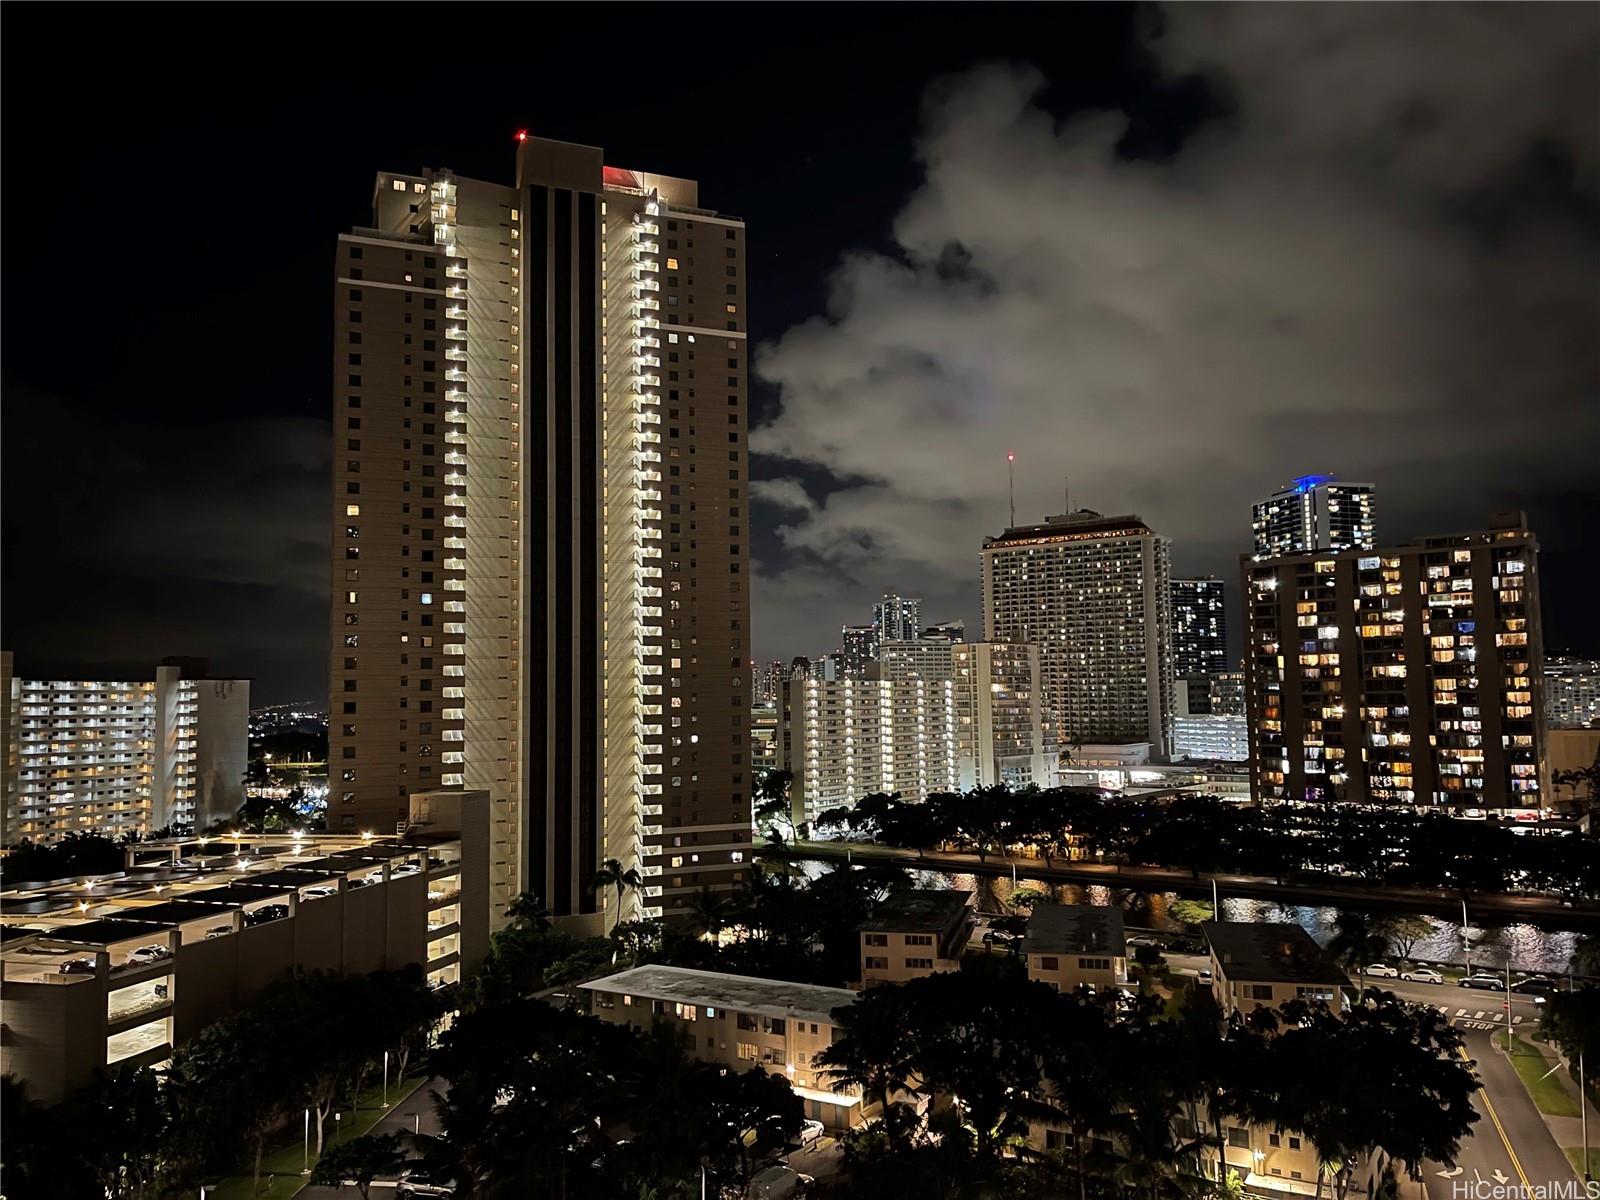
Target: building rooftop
column 237, row 894
column 174, row 912
column 919, row 910
column 1075, row 929
column 1268, row 952
column 144, row 895
column 101, row 933
column 744, row 993
column 1082, row 525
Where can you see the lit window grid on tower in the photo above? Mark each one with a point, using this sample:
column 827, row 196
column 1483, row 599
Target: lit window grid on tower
column 1098, row 608
column 634, row 733
column 1426, row 696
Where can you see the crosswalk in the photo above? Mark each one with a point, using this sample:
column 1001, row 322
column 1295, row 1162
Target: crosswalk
column 1478, row 1019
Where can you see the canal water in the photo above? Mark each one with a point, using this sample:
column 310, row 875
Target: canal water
column 1525, row 947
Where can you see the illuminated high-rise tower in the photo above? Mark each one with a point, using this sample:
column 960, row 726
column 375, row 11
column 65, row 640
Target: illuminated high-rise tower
column 540, row 523
column 1094, row 594
column 1314, row 512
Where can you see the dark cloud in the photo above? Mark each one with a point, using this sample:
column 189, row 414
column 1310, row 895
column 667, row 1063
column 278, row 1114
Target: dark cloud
column 204, row 537
column 1379, row 257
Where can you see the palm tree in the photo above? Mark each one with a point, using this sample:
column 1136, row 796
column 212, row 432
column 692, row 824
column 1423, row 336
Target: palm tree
column 877, row 1052
column 527, row 911
column 710, row 912
column 612, row 874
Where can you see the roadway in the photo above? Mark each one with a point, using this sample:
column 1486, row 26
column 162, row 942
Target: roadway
column 415, row 1113
column 1545, row 910
column 1510, row 1145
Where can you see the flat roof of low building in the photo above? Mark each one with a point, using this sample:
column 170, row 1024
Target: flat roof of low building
column 102, row 932
column 236, row 894
column 1075, row 929
column 296, row 876
column 744, row 993
column 919, row 910
column 175, row 912
column 1270, row 952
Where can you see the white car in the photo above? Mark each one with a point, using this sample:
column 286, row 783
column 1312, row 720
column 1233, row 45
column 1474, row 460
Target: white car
column 810, row 1131
column 411, row 1185
column 146, row 955
column 317, row 893
column 1423, row 975
column 1382, row 971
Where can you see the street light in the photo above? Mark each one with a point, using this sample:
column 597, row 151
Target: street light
column 337, row 1117
column 305, row 1161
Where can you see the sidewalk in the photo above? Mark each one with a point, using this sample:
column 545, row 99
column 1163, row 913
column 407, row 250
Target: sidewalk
column 282, row 1165
column 1555, row 1095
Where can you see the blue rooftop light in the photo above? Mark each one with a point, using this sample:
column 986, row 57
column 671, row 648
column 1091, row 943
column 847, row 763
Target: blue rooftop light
column 1306, row 482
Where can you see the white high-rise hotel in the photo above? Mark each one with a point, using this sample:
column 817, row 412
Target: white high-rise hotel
column 115, row 757
column 1094, row 593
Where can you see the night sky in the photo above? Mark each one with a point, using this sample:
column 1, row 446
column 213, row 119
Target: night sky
column 1171, row 256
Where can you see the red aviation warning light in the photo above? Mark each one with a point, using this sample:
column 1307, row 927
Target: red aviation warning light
column 522, row 135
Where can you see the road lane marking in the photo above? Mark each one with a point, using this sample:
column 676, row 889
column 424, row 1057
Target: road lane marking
column 1501, row 1130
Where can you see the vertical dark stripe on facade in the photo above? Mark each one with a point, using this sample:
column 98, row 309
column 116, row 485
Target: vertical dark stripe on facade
column 563, row 402
column 536, row 403
column 588, row 714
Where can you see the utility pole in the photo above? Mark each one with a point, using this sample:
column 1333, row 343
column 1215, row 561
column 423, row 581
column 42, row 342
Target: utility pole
column 1508, row 1008
column 1583, row 1095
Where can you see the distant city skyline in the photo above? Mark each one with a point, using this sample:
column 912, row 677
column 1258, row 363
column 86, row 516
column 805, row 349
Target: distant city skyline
column 1409, row 303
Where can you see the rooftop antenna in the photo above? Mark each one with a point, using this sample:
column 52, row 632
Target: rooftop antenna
column 1066, row 495
column 1011, row 477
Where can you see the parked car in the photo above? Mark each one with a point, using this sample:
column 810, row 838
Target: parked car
column 810, row 1131
column 995, row 938
column 1536, row 985
column 1203, row 975
column 410, row 1185
column 267, row 912
column 217, row 931
column 1144, row 939
column 145, row 955
column 1383, row 971
column 1422, row 975
column 1486, row 983
column 76, row 966
column 778, row 1183
column 317, row 893
column 403, row 869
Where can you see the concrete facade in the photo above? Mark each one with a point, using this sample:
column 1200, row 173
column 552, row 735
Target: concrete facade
column 1070, row 946
column 540, row 524
column 1094, row 594
column 118, row 757
column 226, row 918
column 1407, row 675
column 1264, row 964
column 915, row 933
column 738, row 1021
